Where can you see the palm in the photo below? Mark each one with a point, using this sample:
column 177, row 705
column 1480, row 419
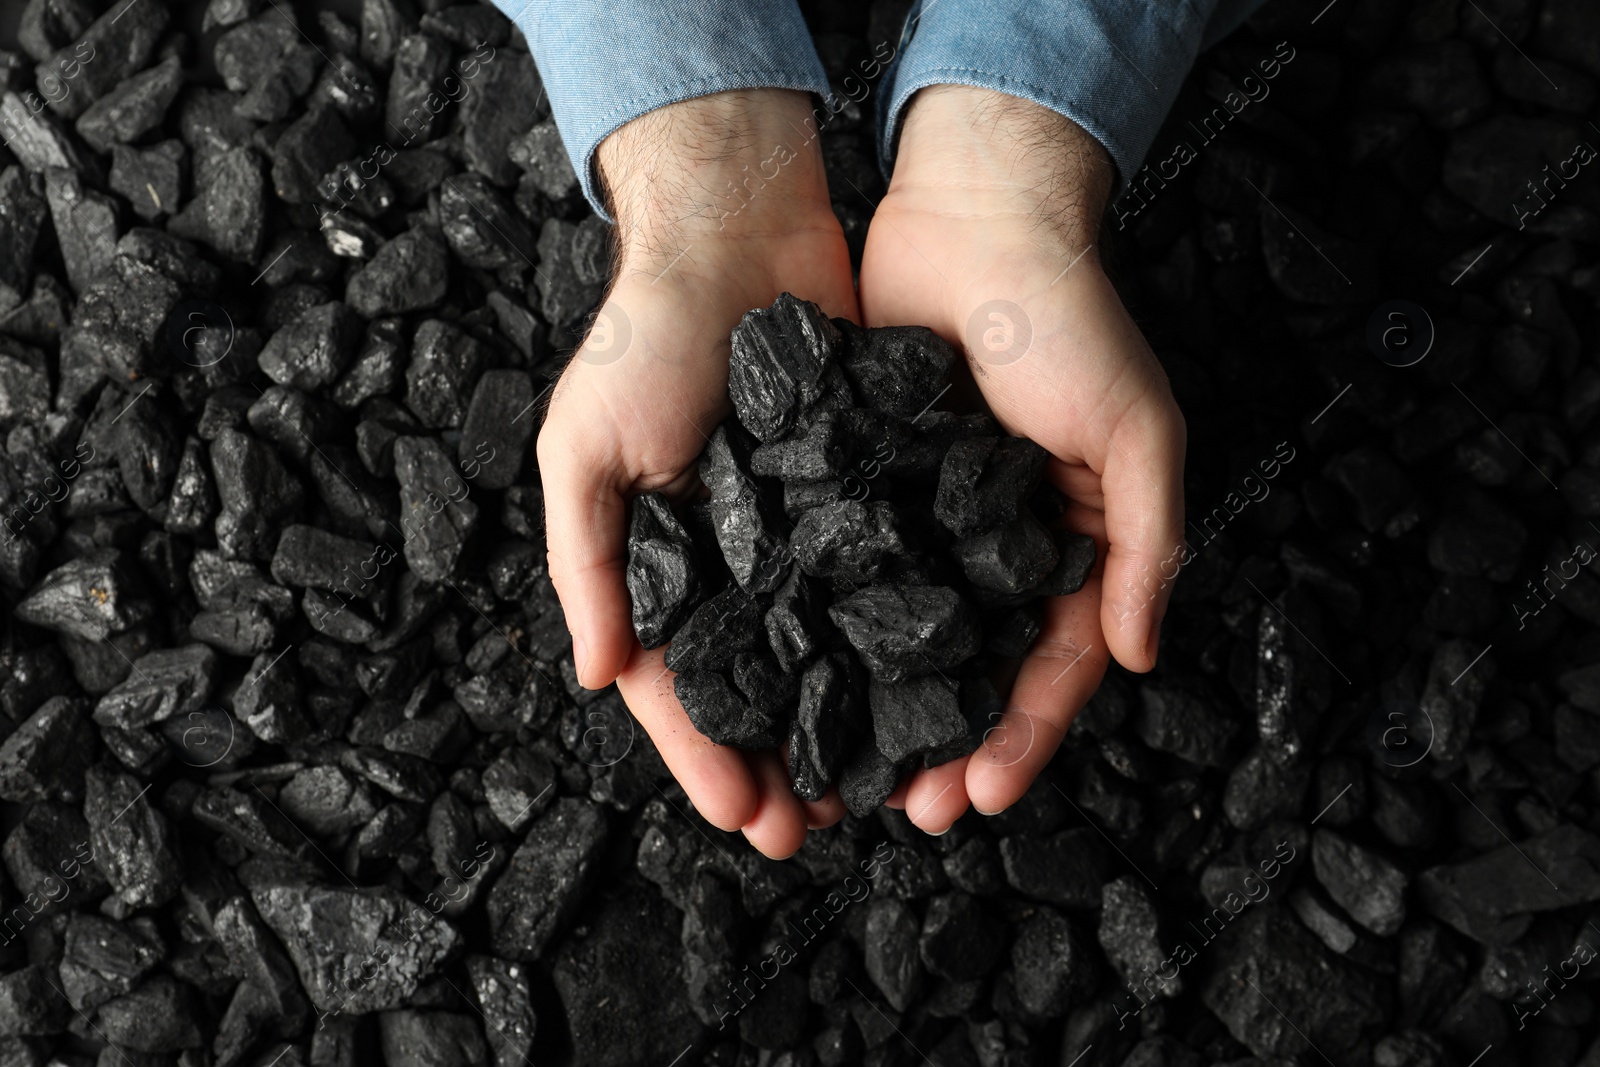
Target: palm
column 631, row 414
column 1064, row 365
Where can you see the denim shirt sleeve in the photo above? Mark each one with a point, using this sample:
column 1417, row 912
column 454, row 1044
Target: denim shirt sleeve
column 1112, row 66
column 604, row 62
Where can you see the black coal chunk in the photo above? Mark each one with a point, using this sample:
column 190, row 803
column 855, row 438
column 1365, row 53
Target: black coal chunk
column 900, row 370
column 445, row 365
column 742, row 513
column 153, row 180
column 97, row 594
column 536, row 897
column 133, row 842
column 133, row 108
column 228, row 210
column 848, row 541
column 409, row 273
column 44, row 759
column 782, row 366
column 1333, row 1007
column 313, row 350
column 797, row 624
column 333, row 934
column 983, row 482
column 915, row 716
column 729, row 713
column 905, row 630
column 436, row 516
column 1011, row 558
column 1491, row 899
column 662, row 578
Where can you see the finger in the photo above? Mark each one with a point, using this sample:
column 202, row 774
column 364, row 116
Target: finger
column 1060, row 673
column 1143, row 485
column 778, row 827
column 584, row 517
column 937, row 797
column 717, row 779
column 820, row 814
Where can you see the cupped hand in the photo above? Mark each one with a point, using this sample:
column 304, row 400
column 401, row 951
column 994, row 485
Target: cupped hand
column 699, row 242
column 987, row 235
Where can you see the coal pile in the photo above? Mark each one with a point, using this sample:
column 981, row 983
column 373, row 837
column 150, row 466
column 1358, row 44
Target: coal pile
column 293, row 762
column 868, row 557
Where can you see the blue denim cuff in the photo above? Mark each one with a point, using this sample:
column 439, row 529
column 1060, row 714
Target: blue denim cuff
column 606, row 63
column 1112, row 66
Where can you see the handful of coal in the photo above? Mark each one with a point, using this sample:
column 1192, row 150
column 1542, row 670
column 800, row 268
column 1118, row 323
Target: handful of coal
column 862, row 562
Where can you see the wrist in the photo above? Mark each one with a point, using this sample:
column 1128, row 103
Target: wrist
column 1003, row 155
column 743, row 164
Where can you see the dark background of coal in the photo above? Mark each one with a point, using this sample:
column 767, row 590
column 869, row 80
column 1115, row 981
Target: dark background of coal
column 1343, row 668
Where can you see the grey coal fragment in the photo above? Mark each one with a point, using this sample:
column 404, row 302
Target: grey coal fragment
column 1066, row 868
column 1491, row 897
column 164, row 683
column 257, row 493
column 21, row 220
column 782, row 365
column 900, row 370
column 536, row 896
column 1052, row 968
column 383, row 24
column 984, row 481
column 95, row 595
column 723, row 711
column 905, row 630
column 620, row 982
column 890, row 952
column 86, row 227
column 1333, row 1006
column 806, row 779
column 962, row 938
column 270, row 62
column 1130, row 936
column 40, row 140
column 249, row 818
column 229, row 209
column 47, row 25
column 28, row 1004
column 157, row 1016
column 310, row 556
column 848, row 541
column 827, row 715
column 488, row 127
column 483, row 229
column 44, row 759
column 1453, row 696
column 797, row 624
column 115, row 46
column 1010, row 558
column 662, row 578
column 307, row 149
column 409, row 273
column 333, row 934
column 133, row 842
column 420, row 65
column 727, row 624
column 1187, row 721
column 436, row 521
column 411, row 1038
column 1361, row 882
column 503, row 997
column 313, row 350
column 256, row 956
column 152, row 179
column 543, row 157
column 445, row 364
column 498, row 428
column 742, row 514
column 132, row 109
column 519, row 785
column 867, row 780
column 916, row 716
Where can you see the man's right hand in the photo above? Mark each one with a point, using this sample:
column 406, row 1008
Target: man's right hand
column 720, row 205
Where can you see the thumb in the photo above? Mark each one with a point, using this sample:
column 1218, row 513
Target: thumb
column 584, row 529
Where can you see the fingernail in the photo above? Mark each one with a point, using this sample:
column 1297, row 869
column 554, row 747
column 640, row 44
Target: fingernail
column 980, row 811
column 938, row 833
